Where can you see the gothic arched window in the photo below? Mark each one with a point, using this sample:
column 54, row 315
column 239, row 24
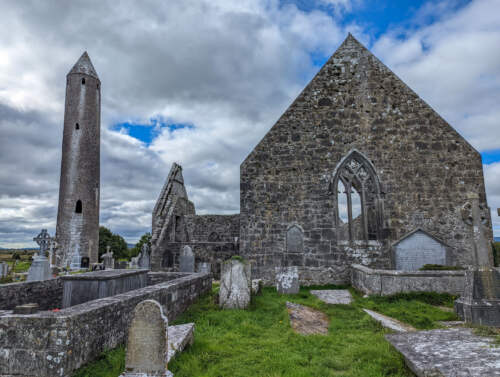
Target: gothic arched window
column 358, row 199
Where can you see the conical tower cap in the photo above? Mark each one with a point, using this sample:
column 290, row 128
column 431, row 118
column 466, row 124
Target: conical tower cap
column 84, row 66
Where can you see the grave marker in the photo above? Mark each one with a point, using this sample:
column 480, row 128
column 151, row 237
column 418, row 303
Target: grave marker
column 186, row 260
column 147, row 343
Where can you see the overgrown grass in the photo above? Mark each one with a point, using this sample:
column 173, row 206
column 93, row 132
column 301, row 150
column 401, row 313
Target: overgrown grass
column 260, row 342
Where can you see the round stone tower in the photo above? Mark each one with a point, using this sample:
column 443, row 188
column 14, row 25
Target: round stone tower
column 77, row 231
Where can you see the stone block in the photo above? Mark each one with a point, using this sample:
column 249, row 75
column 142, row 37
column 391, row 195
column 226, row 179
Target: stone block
column 480, row 301
column 235, row 284
column 89, row 286
column 287, row 280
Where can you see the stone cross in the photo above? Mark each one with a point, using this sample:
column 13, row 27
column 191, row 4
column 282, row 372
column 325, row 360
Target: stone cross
column 147, row 343
column 43, row 240
column 482, row 248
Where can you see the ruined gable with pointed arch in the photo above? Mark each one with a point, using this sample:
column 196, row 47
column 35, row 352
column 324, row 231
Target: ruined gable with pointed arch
column 358, row 169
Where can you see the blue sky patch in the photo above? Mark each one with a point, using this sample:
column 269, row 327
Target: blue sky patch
column 148, row 132
column 491, row 156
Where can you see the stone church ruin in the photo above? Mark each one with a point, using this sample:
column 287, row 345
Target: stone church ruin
column 358, row 182
column 358, row 170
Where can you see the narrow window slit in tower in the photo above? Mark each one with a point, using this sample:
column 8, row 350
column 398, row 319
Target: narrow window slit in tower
column 78, row 208
column 83, row 81
column 77, row 126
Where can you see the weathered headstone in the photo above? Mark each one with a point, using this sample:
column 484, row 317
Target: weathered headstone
column 287, row 280
column 134, row 262
column 186, row 260
column 4, row 270
column 204, row 267
column 147, row 343
column 480, row 301
column 40, row 267
column 144, row 257
column 235, row 284
column 108, row 260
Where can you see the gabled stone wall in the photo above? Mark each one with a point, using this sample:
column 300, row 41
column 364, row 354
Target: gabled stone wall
column 355, row 104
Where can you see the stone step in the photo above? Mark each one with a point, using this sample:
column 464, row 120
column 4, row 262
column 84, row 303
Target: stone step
column 390, row 323
column 334, row 296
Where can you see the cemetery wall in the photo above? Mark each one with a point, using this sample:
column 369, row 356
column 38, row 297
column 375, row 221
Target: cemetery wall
column 389, row 282
column 47, row 294
column 57, row 343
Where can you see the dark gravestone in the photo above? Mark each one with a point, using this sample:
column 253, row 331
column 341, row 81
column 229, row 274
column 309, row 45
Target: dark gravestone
column 85, row 262
column 418, row 249
column 147, row 343
column 186, row 260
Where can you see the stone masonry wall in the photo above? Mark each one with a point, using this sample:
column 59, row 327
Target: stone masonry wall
column 389, row 282
column 50, row 344
column 355, row 103
column 47, row 294
column 212, row 238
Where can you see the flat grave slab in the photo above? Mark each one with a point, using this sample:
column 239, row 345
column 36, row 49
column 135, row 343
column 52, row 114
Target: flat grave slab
column 390, row 323
column 179, row 337
column 454, row 352
column 306, row 321
column 334, row 296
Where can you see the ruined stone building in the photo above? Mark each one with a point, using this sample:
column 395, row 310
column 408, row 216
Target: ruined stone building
column 77, row 230
column 358, row 169
column 213, row 238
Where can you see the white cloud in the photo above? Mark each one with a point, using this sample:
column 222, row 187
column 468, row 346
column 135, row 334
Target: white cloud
column 228, row 68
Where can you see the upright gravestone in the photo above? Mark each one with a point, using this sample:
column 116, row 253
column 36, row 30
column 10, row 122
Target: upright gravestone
column 235, row 284
column 186, row 260
column 144, row 259
column 108, row 260
column 287, row 280
column 204, row 267
column 480, row 301
column 147, row 343
column 40, row 267
column 134, row 262
column 4, row 270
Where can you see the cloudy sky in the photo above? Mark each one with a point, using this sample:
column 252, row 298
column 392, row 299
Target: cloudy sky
column 200, row 83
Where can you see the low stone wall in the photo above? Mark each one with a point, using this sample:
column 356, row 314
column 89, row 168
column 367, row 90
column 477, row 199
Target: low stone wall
column 389, row 282
column 50, row 344
column 47, row 294
column 161, row 277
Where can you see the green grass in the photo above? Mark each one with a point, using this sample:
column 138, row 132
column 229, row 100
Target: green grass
column 21, row 266
column 260, row 342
